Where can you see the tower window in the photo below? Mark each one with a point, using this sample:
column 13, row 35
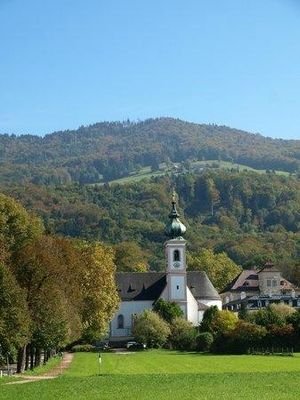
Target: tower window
column 120, row 321
column 177, row 287
column 176, row 255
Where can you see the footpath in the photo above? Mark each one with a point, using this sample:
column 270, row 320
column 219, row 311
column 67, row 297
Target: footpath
column 52, row 374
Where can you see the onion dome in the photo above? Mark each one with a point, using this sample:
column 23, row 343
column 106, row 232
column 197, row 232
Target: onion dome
column 174, row 228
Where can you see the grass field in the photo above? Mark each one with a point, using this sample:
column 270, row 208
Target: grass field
column 165, row 375
column 146, row 173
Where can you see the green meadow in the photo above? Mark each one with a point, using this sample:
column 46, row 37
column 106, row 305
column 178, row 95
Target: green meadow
column 147, row 173
column 166, row 375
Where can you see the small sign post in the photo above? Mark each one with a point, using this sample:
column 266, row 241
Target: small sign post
column 99, row 362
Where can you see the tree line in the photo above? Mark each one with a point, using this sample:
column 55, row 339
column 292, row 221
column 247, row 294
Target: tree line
column 53, row 290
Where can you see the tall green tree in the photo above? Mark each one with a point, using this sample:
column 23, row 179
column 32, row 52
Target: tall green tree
column 14, row 314
column 219, row 267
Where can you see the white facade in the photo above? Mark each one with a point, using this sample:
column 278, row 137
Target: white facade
column 128, row 309
column 192, row 309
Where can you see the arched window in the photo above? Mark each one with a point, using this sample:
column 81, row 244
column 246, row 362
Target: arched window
column 176, row 255
column 120, row 321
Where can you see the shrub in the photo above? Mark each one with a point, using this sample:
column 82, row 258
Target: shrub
column 268, row 316
column 223, row 322
column 240, row 339
column 167, row 310
column 208, row 317
column 83, row 348
column 150, row 329
column 183, row 334
column 281, row 336
column 204, row 340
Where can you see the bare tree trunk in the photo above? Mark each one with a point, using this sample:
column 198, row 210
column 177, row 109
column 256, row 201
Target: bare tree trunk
column 28, row 348
column 37, row 357
column 45, row 356
column 21, row 359
column 32, row 352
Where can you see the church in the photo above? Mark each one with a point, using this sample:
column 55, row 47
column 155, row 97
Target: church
column 138, row 291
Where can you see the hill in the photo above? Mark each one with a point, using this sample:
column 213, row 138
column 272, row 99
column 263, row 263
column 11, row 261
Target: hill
column 112, row 150
column 252, row 217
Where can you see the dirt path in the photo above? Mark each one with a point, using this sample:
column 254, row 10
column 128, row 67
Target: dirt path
column 53, row 373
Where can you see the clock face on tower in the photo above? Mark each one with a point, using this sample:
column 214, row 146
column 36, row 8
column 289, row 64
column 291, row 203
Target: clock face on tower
column 176, row 264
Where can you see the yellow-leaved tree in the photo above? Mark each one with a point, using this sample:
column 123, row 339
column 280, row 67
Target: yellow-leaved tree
column 100, row 297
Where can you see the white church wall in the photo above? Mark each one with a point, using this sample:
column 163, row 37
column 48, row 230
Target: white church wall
column 165, row 294
column 211, row 303
column 192, row 308
column 128, row 309
column 177, row 287
column 200, row 315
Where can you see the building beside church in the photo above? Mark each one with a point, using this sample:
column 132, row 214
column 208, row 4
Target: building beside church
column 257, row 288
column 191, row 290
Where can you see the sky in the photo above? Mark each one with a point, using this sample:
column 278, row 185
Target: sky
column 67, row 63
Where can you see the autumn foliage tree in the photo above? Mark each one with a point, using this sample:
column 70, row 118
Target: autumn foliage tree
column 219, row 267
column 52, row 290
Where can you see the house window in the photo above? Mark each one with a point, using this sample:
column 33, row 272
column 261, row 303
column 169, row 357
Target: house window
column 269, row 283
column 176, row 255
column 274, row 283
column 120, row 321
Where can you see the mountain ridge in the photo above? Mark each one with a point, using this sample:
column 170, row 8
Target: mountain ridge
column 110, row 150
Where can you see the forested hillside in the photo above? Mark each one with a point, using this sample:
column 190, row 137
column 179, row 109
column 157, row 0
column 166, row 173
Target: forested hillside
column 252, row 218
column 110, row 150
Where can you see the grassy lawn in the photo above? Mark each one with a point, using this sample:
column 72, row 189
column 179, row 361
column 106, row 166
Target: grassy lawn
column 42, row 369
column 164, row 375
column 147, row 173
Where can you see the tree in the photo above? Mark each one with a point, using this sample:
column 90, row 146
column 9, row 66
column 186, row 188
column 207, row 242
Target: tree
column 151, row 329
column 213, row 194
column 219, row 267
column 208, row 318
column 183, row 334
column 167, row 310
column 246, row 335
column 129, row 257
column 17, row 226
column 100, row 298
column 204, row 341
column 267, row 316
column 223, row 322
column 14, row 315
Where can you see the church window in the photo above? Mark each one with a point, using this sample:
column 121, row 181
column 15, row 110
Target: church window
column 176, row 255
column 120, row 321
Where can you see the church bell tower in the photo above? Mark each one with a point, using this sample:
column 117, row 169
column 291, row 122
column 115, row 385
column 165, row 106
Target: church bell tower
column 175, row 250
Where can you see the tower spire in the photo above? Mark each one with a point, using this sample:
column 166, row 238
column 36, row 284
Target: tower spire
column 175, row 228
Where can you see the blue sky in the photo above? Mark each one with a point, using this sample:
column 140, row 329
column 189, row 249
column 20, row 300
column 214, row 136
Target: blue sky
column 66, row 63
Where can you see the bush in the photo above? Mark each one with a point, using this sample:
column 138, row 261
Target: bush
column 183, row 334
column 150, row 329
column 83, row 348
column 208, row 317
column 281, row 336
column 167, row 310
column 224, row 322
column 204, row 341
column 271, row 315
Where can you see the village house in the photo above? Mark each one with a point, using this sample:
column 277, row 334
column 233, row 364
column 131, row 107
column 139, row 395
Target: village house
column 256, row 288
